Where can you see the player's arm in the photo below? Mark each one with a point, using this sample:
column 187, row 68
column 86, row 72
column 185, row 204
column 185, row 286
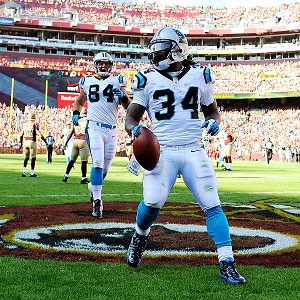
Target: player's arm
column 71, row 133
column 212, row 118
column 37, row 128
column 125, row 100
column 79, row 102
column 121, row 92
column 134, row 114
column 42, row 138
column 211, row 111
column 21, row 139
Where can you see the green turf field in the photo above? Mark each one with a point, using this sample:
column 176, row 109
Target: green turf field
column 278, row 183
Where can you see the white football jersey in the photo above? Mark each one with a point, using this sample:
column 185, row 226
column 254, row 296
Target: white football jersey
column 102, row 103
column 173, row 103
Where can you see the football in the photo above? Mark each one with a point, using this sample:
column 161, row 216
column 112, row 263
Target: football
column 146, row 149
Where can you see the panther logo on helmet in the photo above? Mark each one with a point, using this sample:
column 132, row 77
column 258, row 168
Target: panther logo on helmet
column 168, row 46
column 103, row 69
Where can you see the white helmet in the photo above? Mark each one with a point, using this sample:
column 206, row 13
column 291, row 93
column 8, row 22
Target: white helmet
column 173, row 42
column 102, row 57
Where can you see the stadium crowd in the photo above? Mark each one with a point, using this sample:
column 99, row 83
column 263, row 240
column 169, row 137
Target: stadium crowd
column 278, row 76
column 156, row 14
column 281, row 125
column 253, row 128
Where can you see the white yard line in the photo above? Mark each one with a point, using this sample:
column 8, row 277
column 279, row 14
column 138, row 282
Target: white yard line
column 140, row 194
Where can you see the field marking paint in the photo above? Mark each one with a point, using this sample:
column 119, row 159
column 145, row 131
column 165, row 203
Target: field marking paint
column 31, row 238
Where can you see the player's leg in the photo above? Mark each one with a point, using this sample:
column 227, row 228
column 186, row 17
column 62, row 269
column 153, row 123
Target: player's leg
column 95, row 139
column 156, row 186
column 33, row 153
column 229, row 158
column 110, row 147
column 84, row 155
column 74, row 156
column 50, row 153
column 26, row 152
column 199, row 176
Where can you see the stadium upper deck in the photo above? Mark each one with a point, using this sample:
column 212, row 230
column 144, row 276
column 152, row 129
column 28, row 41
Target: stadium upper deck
column 81, row 28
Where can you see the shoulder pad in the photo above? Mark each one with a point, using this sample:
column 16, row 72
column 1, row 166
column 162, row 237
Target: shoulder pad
column 121, row 79
column 207, row 75
column 139, row 80
column 82, row 81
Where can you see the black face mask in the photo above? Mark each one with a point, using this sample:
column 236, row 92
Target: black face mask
column 156, row 57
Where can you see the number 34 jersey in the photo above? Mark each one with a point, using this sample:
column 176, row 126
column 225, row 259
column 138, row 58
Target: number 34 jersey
column 174, row 103
column 102, row 103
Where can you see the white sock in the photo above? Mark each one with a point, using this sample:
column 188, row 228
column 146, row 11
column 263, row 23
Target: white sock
column 24, row 169
column 225, row 252
column 141, row 231
column 97, row 190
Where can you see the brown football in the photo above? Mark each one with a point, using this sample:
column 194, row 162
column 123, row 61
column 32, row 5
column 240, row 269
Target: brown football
column 146, row 149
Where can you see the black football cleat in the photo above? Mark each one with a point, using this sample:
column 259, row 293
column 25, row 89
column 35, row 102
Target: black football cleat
column 229, row 273
column 136, row 249
column 97, row 209
column 33, row 175
column 84, row 181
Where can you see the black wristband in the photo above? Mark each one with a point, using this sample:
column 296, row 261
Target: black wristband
column 76, row 112
column 124, row 99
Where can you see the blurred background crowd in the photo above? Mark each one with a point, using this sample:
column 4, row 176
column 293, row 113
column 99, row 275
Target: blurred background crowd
column 253, row 128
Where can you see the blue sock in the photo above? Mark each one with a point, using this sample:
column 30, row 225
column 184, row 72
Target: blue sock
column 217, row 226
column 146, row 215
column 96, row 176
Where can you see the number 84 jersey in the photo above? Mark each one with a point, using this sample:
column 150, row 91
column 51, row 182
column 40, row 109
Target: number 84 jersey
column 173, row 102
column 102, row 103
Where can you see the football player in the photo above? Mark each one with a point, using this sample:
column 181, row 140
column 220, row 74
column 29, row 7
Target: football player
column 229, row 140
column 79, row 148
column 104, row 92
column 29, row 134
column 173, row 93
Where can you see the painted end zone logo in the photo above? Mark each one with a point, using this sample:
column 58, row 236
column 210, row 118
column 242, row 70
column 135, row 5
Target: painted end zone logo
column 261, row 233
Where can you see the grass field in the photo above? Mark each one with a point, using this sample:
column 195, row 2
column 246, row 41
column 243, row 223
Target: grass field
column 278, row 183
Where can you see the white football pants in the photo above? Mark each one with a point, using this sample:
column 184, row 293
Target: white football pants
column 197, row 172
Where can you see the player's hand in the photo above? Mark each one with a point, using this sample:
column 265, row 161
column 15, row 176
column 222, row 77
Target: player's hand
column 136, row 131
column 212, row 126
column 118, row 93
column 76, row 117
